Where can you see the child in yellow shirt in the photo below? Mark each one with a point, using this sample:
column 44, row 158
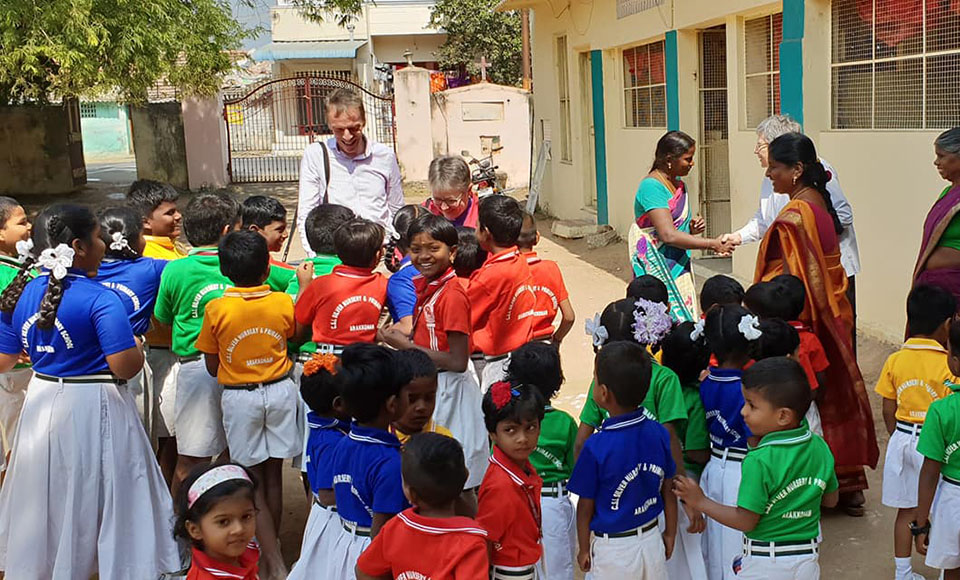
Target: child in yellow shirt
column 157, row 203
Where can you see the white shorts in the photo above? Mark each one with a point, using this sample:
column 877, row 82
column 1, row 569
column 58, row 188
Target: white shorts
column 343, row 555
column 944, row 549
column 640, row 557
column 559, row 535
column 686, row 563
column 813, row 418
column 803, row 567
column 459, row 410
column 493, row 371
column 320, row 535
column 721, row 483
column 262, row 423
column 901, row 470
column 164, row 366
column 13, row 390
column 199, row 420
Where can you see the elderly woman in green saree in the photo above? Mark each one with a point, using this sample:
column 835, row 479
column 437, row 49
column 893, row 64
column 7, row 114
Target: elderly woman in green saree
column 664, row 231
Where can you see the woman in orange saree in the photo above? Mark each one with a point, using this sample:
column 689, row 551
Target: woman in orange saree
column 803, row 242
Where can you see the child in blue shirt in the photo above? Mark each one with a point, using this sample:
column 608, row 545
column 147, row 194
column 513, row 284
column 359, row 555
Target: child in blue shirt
column 624, row 484
column 365, row 464
column 328, row 423
column 401, row 295
column 88, row 471
column 731, row 333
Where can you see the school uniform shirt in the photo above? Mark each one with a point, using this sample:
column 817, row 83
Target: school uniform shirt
column 9, row 269
column 509, row 509
column 940, row 437
column 442, row 308
column 623, row 477
column 203, row 567
column 722, row 402
column 91, row 324
column 136, row 282
column 401, row 295
column 161, row 247
column 430, row 427
column 693, row 432
column 323, row 264
column 366, row 475
column 553, row 458
column 915, row 376
column 344, row 306
column 550, row 291
column 501, row 303
column 457, row 547
column 664, row 400
column 280, row 274
column 248, row 328
column 811, row 356
column 186, row 287
column 784, row 479
column 324, row 434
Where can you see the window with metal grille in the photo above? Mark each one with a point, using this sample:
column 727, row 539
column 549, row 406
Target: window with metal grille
column 88, row 110
column 895, row 64
column 644, row 86
column 762, row 37
column 563, row 90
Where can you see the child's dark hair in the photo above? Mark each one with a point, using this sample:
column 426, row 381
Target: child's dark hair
column 793, row 293
column 322, row 222
column 435, row 226
column 208, row 500
column 261, row 211
column 358, row 241
column 126, row 222
column 368, row 378
column 207, row 216
column 146, row 195
column 434, row 468
column 57, row 224
column 767, row 300
column 7, row 205
column 404, row 217
column 928, row 307
column 649, row 288
column 537, row 364
column 722, row 290
column 684, row 355
column 244, row 258
column 619, row 319
column 470, row 256
column 722, row 329
column 781, row 381
column 528, row 232
column 413, row 364
column 778, row 339
column 955, row 338
column 525, row 404
column 319, row 388
column 502, row 216
column 625, row 369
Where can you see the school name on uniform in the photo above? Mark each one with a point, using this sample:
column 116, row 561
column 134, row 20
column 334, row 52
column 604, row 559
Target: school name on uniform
column 516, row 295
column 129, row 293
column 631, row 475
column 248, row 333
column 412, row 576
column 715, row 413
column 550, row 457
column 335, row 317
column 790, row 488
column 553, row 297
column 917, row 383
column 195, row 305
column 949, row 451
column 67, row 340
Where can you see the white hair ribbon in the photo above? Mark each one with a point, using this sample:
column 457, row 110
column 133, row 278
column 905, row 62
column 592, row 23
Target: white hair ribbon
column 119, row 242
column 57, row 260
column 597, row 331
column 750, row 327
column 697, row 330
column 213, row 478
column 24, row 249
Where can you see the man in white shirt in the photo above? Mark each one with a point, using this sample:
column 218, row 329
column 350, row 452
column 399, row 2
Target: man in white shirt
column 363, row 174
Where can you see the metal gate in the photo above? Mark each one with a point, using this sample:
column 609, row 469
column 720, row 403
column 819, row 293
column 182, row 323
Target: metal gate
column 269, row 127
column 713, row 143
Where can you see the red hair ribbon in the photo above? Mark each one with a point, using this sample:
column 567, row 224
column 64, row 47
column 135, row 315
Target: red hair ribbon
column 319, row 361
column 501, row 393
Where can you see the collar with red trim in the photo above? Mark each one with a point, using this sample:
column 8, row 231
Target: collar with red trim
column 531, row 256
column 502, row 256
column 247, row 570
column 352, row 271
column 430, row 287
column 439, row 526
column 798, row 326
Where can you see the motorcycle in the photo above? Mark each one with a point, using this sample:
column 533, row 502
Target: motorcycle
column 483, row 176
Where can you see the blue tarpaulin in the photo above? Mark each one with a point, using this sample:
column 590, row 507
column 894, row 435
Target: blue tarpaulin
column 308, row 50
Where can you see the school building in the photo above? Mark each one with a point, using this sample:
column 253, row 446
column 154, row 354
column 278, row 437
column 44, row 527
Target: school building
column 872, row 81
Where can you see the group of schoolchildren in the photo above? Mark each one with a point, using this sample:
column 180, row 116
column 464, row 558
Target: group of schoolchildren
column 427, row 441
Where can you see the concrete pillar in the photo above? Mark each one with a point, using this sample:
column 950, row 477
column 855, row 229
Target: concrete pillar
column 204, row 137
column 414, row 134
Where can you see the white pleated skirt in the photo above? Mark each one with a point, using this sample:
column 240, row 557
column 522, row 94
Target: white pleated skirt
column 319, row 538
column 84, row 493
column 459, row 409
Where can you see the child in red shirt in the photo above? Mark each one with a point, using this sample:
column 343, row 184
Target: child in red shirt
column 344, row 306
column 551, row 292
column 429, row 540
column 510, row 492
column 501, row 296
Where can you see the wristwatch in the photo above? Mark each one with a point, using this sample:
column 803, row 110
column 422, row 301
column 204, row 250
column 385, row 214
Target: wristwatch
column 919, row 530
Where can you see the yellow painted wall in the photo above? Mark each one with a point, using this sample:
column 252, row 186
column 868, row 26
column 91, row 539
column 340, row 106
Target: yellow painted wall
column 424, row 47
column 405, row 18
column 287, row 25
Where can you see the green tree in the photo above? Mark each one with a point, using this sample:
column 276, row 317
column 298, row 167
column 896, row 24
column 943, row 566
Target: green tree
column 342, row 11
column 63, row 48
column 475, row 29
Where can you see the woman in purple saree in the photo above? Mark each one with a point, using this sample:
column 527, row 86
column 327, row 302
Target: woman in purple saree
column 939, row 259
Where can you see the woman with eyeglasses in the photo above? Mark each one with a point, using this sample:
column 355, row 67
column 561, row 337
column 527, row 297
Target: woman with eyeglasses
column 451, row 194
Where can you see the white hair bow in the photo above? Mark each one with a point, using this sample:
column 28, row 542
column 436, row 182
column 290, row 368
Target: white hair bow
column 750, row 327
column 697, row 332
column 57, row 260
column 597, row 331
column 24, row 249
column 119, row 242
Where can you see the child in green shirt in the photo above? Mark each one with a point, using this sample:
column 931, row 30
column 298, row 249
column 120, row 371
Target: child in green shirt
column 267, row 216
column 786, row 478
column 538, row 363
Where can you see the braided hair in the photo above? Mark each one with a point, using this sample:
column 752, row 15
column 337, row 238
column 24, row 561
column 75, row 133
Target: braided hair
column 399, row 243
column 11, row 294
column 793, row 148
column 129, row 225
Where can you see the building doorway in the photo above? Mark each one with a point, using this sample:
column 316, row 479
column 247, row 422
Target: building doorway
column 713, row 141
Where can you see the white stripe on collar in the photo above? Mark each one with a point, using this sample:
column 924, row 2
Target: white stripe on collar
column 365, row 439
column 798, row 439
column 516, row 479
column 439, row 531
column 934, row 348
column 714, row 377
column 507, row 256
column 635, row 421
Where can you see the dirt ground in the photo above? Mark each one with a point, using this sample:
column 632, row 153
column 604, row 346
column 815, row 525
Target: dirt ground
column 852, row 548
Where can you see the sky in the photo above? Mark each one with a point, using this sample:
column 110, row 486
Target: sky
column 250, row 17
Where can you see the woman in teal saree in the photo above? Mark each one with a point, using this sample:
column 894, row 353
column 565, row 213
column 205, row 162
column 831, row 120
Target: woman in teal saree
column 664, row 231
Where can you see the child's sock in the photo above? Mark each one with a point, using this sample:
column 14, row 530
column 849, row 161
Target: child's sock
column 904, row 568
